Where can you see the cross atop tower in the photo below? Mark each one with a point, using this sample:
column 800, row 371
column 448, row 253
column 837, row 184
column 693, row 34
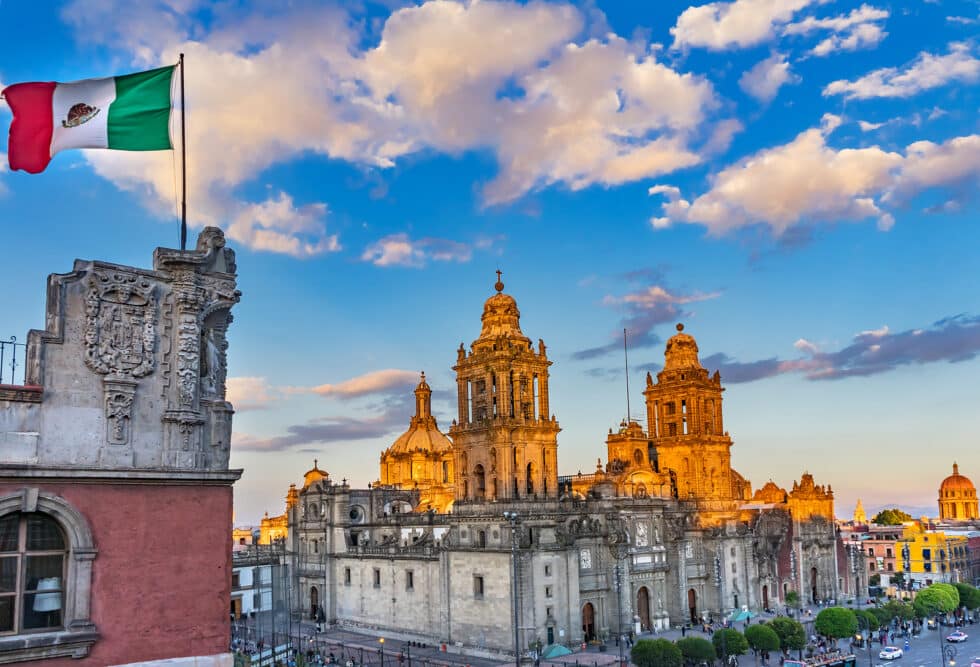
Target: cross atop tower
column 499, row 286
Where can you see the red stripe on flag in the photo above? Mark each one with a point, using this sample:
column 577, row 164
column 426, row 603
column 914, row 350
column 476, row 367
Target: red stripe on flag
column 29, row 147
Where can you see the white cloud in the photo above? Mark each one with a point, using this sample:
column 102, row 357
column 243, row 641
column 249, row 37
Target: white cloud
column 738, row 24
column 249, row 393
column 869, row 127
column 806, row 346
column 510, row 78
column 962, row 20
column 857, row 30
column 765, row 79
column 929, row 165
column 655, row 295
column 3, row 170
column 400, row 250
column 925, row 72
column 808, row 181
column 375, row 382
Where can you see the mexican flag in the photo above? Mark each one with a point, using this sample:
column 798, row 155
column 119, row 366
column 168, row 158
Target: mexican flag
column 127, row 113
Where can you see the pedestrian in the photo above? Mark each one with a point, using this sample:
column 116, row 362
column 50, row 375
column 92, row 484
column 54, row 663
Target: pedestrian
column 683, row 630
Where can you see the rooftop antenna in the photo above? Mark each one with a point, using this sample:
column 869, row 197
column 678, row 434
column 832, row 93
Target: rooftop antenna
column 626, row 356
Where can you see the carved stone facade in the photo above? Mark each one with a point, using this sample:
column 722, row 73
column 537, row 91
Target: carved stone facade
column 665, row 532
column 123, row 424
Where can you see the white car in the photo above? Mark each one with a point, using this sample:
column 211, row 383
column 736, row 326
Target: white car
column 890, row 653
column 958, row 636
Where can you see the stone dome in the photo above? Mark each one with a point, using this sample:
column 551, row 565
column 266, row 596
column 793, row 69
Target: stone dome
column 425, row 437
column 681, row 351
column 957, row 482
column 501, row 316
column 314, row 475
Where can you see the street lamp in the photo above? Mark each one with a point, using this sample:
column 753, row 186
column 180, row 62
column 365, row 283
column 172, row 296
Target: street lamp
column 514, row 519
column 949, row 655
column 867, row 624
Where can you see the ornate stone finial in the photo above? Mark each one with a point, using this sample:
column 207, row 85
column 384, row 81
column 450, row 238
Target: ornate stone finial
column 956, row 468
column 499, row 286
column 680, row 327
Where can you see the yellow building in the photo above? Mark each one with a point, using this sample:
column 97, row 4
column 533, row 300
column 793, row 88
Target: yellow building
column 957, row 498
column 930, row 556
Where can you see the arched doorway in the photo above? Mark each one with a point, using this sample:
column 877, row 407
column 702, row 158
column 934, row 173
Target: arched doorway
column 588, row 622
column 480, row 480
column 314, row 601
column 692, row 605
column 765, row 598
column 813, row 585
column 643, row 607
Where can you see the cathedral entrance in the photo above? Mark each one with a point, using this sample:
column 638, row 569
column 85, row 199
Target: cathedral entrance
column 643, row 607
column 588, row 622
column 314, row 601
column 692, row 605
column 813, row 585
column 480, row 492
column 765, row 598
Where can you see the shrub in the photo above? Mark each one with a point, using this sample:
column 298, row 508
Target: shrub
column 656, row 653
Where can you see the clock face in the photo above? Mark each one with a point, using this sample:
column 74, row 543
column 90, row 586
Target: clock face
column 356, row 514
column 585, row 559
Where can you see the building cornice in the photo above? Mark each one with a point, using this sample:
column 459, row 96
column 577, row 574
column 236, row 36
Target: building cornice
column 158, row 477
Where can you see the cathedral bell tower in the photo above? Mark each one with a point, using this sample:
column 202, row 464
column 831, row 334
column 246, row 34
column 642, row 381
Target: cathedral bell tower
column 505, row 441
column 685, row 425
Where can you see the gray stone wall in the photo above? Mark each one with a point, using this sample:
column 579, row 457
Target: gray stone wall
column 131, row 366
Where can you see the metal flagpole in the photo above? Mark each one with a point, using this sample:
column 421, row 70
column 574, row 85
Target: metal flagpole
column 183, row 162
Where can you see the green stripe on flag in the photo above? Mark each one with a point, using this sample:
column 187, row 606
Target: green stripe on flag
column 139, row 118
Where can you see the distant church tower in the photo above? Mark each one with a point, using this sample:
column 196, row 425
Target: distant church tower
column 505, row 440
column 860, row 517
column 686, row 427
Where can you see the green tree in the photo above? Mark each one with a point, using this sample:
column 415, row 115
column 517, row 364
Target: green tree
column 883, row 615
column 729, row 642
column 936, row 599
column 793, row 599
column 900, row 610
column 874, row 580
column 969, row 596
column 836, row 622
column 656, row 653
column 792, row 636
column 897, row 579
column 891, row 517
column 762, row 638
column 867, row 619
column 696, row 650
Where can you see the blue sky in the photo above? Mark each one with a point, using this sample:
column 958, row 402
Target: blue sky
column 795, row 180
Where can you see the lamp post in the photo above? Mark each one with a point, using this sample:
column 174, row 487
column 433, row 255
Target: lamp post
column 867, row 625
column 381, row 651
column 619, row 607
column 514, row 519
column 949, row 655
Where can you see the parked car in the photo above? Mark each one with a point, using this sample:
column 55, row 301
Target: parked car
column 958, row 636
column 890, row 653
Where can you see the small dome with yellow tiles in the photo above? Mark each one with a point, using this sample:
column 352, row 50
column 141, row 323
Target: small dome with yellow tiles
column 423, row 433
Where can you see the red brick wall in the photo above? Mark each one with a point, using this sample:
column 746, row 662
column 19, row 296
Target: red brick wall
column 161, row 582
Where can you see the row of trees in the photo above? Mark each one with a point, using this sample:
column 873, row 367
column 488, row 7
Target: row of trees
column 780, row 633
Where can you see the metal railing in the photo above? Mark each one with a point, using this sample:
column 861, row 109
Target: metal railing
column 12, row 355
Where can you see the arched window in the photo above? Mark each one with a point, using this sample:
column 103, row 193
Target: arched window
column 32, row 572
column 46, row 554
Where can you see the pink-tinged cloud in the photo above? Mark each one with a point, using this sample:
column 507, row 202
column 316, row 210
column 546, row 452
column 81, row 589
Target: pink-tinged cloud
column 386, row 381
column 250, row 393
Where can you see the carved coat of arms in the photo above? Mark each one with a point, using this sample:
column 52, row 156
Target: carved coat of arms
column 120, row 325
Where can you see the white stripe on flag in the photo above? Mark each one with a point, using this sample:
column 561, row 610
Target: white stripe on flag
column 86, row 126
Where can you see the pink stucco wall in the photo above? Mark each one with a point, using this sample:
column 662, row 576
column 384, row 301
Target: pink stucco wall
column 161, row 581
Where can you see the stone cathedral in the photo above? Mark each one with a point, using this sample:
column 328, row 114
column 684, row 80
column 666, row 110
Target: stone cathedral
column 665, row 532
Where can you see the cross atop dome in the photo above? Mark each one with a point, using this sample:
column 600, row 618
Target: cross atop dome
column 499, row 285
